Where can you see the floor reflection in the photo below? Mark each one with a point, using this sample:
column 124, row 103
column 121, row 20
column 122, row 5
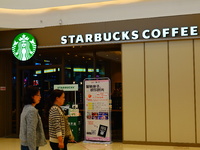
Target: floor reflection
column 14, row 144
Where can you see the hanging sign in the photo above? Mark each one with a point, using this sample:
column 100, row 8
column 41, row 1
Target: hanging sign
column 97, row 110
column 66, row 87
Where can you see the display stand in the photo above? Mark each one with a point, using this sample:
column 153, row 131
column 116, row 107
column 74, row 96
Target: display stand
column 97, row 100
column 75, row 123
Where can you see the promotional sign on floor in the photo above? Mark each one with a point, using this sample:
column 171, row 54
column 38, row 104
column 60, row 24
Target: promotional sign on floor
column 97, row 110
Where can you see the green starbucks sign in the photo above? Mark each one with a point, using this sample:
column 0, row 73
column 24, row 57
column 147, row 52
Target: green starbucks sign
column 24, row 46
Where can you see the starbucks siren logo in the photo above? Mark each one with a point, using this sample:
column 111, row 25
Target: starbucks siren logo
column 24, row 46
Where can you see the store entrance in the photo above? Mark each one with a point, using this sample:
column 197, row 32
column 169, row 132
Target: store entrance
column 43, row 77
column 70, row 66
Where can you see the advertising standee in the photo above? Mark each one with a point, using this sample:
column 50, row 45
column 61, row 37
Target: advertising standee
column 97, row 110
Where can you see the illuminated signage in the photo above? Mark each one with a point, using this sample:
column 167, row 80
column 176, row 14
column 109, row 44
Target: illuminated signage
column 130, row 35
column 24, row 46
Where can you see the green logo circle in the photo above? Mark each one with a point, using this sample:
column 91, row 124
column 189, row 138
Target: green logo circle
column 24, row 46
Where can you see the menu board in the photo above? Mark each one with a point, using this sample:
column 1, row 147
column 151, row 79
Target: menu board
column 97, row 109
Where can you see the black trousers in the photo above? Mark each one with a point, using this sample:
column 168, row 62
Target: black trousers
column 54, row 146
column 26, row 148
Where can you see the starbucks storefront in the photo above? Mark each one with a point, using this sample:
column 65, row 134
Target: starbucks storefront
column 153, row 65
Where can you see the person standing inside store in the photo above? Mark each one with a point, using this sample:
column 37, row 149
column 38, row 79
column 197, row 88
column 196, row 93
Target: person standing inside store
column 59, row 129
column 31, row 128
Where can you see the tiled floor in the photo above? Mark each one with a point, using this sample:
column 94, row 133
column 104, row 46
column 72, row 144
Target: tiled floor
column 14, row 144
